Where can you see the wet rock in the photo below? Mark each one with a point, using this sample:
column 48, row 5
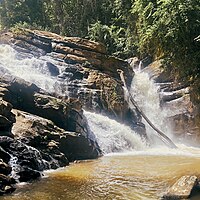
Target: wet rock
column 109, row 92
column 7, row 118
column 156, row 72
column 26, row 155
column 5, row 124
column 27, row 174
column 88, row 62
column 182, row 188
column 6, row 184
column 65, row 113
column 5, row 169
column 4, row 155
column 54, row 71
column 77, row 147
column 176, row 95
column 54, row 143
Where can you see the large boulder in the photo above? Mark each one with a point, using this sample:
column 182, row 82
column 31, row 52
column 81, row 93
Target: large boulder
column 55, row 144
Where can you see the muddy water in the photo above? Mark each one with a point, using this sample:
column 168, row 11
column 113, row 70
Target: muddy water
column 127, row 176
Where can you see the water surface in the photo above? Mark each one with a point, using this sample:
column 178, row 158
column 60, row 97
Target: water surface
column 127, row 176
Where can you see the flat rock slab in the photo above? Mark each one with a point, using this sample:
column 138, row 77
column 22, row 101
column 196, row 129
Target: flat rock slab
column 182, row 188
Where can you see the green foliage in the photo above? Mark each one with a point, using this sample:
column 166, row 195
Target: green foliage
column 116, row 33
column 168, row 28
column 20, row 11
column 112, row 36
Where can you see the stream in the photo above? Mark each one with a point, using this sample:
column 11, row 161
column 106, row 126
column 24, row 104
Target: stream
column 125, row 176
column 130, row 169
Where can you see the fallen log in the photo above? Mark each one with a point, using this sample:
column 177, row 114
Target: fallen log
column 161, row 135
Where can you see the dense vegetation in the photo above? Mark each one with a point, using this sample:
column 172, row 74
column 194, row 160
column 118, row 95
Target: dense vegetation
column 168, row 29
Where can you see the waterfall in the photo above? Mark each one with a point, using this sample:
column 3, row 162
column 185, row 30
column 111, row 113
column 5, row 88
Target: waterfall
column 146, row 94
column 29, row 68
column 113, row 136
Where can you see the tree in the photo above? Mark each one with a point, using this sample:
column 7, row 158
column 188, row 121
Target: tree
column 168, row 28
column 16, row 11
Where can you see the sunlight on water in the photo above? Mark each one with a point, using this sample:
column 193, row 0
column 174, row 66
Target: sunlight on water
column 120, row 177
column 145, row 93
column 113, row 136
column 30, row 69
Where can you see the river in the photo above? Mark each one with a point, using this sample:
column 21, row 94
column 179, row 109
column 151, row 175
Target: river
column 130, row 169
column 126, row 176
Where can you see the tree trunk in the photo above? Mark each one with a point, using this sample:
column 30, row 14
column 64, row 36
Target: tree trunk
column 161, row 135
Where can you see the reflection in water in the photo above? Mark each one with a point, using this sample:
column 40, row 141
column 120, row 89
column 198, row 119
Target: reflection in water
column 120, row 177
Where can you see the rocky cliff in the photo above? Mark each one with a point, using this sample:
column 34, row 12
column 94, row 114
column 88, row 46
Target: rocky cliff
column 44, row 127
column 176, row 95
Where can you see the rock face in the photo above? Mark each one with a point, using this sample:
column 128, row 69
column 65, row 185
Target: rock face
column 55, row 133
column 46, row 129
column 90, row 74
column 7, row 118
column 176, row 96
column 85, row 71
column 182, row 188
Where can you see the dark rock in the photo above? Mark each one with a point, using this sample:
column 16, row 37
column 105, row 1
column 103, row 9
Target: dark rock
column 5, row 124
column 32, row 50
column 56, row 145
column 54, row 71
column 27, row 156
column 77, row 147
column 4, row 155
column 5, row 169
column 7, row 118
column 6, row 184
column 27, row 174
column 9, row 189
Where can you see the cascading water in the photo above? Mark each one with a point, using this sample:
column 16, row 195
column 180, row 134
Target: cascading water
column 131, row 175
column 145, row 93
column 34, row 70
column 113, row 136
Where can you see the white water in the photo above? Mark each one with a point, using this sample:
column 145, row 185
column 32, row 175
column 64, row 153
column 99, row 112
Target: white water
column 145, row 93
column 111, row 135
column 30, row 69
